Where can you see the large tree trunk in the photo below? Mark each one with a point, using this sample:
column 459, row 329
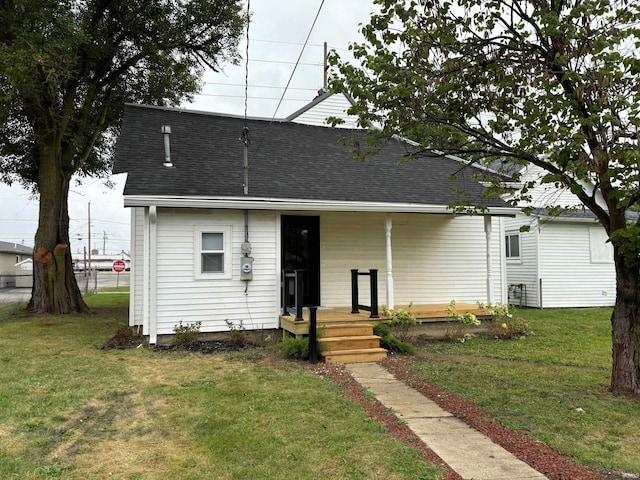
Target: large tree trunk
column 625, row 325
column 55, row 289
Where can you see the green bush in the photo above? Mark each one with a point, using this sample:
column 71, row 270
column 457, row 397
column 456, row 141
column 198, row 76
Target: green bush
column 390, row 342
column 458, row 324
column 297, row 348
column 186, row 335
column 401, row 322
column 504, row 325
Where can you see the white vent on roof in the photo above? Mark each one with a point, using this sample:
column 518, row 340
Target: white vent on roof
column 166, row 131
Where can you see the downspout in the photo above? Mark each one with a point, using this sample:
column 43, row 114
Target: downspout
column 133, row 322
column 487, row 234
column 388, row 224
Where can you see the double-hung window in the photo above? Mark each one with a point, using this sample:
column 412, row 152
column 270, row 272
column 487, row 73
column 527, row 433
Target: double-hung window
column 512, row 244
column 213, row 252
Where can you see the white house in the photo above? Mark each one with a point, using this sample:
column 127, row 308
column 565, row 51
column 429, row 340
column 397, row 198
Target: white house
column 563, row 260
column 211, row 238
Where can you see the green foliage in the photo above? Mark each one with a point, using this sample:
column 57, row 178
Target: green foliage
column 552, row 85
column 401, row 322
column 68, row 67
column 390, row 342
column 237, row 333
column 72, row 66
column 297, row 348
column 459, row 325
column 186, row 335
column 505, row 325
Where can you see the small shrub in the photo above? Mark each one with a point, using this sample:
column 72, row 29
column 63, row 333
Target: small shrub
column 237, row 333
column 297, row 348
column 125, row 337
column 459, row 325
column 509, row 329
column 390, row 342
column 401, row 322
column 504, row 325
column 186, row 335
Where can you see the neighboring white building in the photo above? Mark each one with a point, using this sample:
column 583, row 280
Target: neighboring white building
column 309, row 205
column 562, row 261
column 10, row 255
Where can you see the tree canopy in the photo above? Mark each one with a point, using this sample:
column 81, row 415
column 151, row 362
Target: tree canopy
column 67, row 67
column 551, row 83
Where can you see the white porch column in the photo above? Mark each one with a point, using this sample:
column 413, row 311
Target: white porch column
column 153, row 267
column 387, row 229
column 487, row 234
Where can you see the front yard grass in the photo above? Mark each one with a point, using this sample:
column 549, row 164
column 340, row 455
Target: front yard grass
column 70, row 410
column 553, row 384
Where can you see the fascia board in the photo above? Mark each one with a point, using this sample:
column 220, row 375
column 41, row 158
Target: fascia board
column 296, row 204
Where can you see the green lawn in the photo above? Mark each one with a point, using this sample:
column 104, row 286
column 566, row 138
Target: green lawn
column 539, row 384
column 70, row 410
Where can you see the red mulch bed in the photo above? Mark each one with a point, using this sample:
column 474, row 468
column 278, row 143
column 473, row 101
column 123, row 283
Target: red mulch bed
column 539, row 456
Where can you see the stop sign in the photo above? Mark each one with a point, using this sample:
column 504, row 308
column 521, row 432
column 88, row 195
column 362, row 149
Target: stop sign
column 119, row 266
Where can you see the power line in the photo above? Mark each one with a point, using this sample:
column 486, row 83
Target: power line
column 306, row 40
column 259, row 86
column 251, row 97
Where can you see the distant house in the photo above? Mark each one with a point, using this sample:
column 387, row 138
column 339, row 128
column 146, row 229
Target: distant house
column 10, row 255
column 562, row 261
column 211, row 240
column 100, row 262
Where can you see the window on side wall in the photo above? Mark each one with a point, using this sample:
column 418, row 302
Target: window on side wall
column 212, row 252
column 512, row 244
column 600, row 248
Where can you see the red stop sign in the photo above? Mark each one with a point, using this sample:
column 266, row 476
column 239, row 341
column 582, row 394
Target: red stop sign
column 119, row 266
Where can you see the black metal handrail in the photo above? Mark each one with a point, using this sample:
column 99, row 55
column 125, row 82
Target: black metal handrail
column 373, row 285
column 296, row 308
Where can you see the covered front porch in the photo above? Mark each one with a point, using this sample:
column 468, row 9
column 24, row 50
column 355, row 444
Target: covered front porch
column 436, row 312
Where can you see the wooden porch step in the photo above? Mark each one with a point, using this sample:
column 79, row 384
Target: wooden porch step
column 350, row 342
column 346, row 330
column 355, row 356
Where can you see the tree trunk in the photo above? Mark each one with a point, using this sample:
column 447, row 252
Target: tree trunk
column 625, row 328
column 55, row 289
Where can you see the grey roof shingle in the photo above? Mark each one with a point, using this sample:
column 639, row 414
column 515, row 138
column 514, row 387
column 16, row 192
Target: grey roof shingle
column 9, row 247
column 286, row 161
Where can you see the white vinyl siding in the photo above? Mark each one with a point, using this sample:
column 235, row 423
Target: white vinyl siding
column 436, row 258
column 137, row 266
column 569, row 277
column 212, row 301
column 522, row 275
column 333, row 106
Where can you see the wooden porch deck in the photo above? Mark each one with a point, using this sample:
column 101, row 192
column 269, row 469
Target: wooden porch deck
column 436, row 312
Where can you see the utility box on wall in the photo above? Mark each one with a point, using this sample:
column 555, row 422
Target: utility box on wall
column 246, row 268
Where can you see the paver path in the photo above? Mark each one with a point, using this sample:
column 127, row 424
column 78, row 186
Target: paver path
column 472, row 455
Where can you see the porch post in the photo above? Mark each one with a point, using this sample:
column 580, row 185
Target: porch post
column 387, row 227
column 487, row 234
column 153, row 271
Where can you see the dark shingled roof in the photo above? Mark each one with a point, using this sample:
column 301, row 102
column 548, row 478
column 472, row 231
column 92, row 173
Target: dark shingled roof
column 10, row 247
column 286, row 161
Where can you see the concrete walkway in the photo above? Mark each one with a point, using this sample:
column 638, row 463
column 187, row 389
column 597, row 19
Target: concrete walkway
column 465, row 450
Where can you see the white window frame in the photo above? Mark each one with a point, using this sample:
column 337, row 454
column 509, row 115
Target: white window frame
column 511, row 258
column 600, row 250
column 226, row 232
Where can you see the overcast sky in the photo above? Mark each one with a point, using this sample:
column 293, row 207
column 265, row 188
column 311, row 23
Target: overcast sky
column 276, row 36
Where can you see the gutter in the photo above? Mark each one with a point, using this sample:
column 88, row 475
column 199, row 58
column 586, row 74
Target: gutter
column 257, row 203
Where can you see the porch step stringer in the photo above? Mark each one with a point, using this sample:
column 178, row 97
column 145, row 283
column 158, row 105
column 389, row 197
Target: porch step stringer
column 350, row 343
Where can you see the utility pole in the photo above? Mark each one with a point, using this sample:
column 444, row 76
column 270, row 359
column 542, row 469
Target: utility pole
column 104, row 242
column 89, row 240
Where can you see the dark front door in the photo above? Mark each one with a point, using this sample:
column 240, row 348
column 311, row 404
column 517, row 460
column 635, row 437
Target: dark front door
column 301, row 250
